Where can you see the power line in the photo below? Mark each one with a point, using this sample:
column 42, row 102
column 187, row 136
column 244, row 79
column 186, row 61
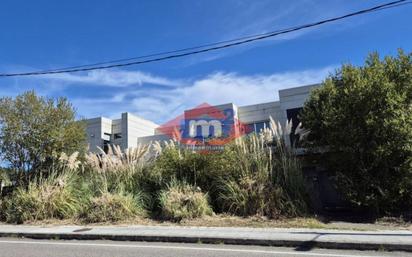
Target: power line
column 203, row 48
column 163, row 53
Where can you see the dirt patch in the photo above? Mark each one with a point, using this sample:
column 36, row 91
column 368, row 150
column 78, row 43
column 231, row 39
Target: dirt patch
column 222, row 220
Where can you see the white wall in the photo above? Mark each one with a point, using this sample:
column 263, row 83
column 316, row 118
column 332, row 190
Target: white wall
column 95, row 132
column 294, row 98
column 259, row 112
column 134, row 127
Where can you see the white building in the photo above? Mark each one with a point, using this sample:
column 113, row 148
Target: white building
column 130, row 130
column 125, row 131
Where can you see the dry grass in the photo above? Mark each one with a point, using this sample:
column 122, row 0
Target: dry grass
column 117, row 161
column 53, row 197
column 255, row 222
column 183, row 201
column 118, row 171
column 224, row 220
column 268, row 179
column 112, row 208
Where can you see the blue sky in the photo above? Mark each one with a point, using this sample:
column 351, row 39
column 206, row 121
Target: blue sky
column 51, row 34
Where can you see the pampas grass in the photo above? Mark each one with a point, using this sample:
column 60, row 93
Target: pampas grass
column 113, row 207
column 52, row 198
column 183, row 201
column 270, row 180
column 118, row 170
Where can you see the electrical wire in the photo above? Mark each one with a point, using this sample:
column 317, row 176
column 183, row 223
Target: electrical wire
column 203, row 48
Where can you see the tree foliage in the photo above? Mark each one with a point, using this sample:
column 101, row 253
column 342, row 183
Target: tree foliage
column 34, row 131
column 362, row 116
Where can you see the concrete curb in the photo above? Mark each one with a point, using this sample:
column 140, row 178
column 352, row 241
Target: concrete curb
column 300, row 244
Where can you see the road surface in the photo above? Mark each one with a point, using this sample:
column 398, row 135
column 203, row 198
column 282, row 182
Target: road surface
column 13, row 247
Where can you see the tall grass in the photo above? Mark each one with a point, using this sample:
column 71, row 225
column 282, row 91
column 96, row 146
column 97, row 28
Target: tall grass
column 183, row 201
column 118, row 170
column 112, row 207
column 4, row 180
column 55, row 197
column 175, row 162
column 268, row 179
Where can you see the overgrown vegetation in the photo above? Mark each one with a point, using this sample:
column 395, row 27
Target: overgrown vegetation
column 183, row 201
column 266, row 177
column 109, row 207
column 362, row 119
column 360, row 123
column 256, row 175
column 56, row 197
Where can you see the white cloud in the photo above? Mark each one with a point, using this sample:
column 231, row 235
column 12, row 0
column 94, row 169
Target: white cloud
column 219, row 88
column 112, row 78
column 160, row 104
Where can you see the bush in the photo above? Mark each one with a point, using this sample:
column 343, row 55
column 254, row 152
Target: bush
column 183, row 165
column 110, row 207
column 266, row 177
column 54, row 197
column 183, row 201
column 362, row 116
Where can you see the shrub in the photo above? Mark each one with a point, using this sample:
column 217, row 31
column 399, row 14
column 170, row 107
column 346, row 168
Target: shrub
column 4, row 179
column 362, row 116
column 110, row 207
column 183, row 201
column 54, row 197
column 183, row 165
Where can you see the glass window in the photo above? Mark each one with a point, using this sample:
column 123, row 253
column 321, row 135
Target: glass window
column 259, row 126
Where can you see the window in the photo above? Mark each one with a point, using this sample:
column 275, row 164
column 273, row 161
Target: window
column 106, row 144
column 293, row 114
column 117, row 135
column 257, row 127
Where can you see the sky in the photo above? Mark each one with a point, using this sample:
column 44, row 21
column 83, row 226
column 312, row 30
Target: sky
column 47, row 34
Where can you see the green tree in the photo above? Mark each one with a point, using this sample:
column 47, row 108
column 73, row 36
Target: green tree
column 362, row 117
column 34, row 131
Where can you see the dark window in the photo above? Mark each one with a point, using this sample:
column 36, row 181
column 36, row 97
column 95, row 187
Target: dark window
column 117, row 135
column 106, row 144
column 293, row 114
column 259, row 126
column 256, row 127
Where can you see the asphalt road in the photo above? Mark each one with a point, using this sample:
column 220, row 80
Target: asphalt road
column 13, row 247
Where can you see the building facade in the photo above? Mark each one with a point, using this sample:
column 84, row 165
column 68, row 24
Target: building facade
column 124, row 132
column 202, row 123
